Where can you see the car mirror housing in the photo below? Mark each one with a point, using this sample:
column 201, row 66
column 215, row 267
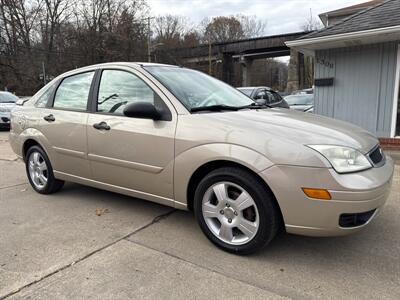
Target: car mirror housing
column 143, row 110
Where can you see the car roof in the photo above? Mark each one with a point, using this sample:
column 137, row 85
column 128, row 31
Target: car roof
column 127, row 64
column 134, row 65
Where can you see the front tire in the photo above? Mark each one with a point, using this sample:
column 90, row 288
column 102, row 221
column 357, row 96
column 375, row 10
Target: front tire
column 236, row 210
column 40, row 172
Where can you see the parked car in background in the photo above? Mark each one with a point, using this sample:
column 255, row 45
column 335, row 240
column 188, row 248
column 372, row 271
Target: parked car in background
column 182, row 138
column 7, row 103
column 264, row 95
column 304, row 91
column 301, row 102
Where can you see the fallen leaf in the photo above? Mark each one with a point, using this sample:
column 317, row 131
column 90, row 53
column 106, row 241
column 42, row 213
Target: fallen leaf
column 101, row 211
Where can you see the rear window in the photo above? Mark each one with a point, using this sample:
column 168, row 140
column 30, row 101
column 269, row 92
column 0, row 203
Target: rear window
column 302, row 99
column 247, row 92
column 6, row 97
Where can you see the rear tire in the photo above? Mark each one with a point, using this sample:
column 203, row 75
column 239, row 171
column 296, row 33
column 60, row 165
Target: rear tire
column 40, row 172
column 236, row 210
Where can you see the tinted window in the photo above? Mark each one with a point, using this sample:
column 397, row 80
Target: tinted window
column 261, row 95
column 73, row 92
column 273, row 97
column 119, row 88
column 301, row 99
column 247, row 92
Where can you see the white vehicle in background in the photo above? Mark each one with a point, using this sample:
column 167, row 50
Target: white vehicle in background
column 301, row 102
column 7, row 103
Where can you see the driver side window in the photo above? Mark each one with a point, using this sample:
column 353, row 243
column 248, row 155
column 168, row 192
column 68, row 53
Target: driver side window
column 261, row 95
column 120, row 88
column 274, row 97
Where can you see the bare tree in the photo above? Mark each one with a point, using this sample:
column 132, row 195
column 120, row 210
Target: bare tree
column 65, row 34
column 175, row 31
column 252, row 26
column 56, row 12
column 311, row 23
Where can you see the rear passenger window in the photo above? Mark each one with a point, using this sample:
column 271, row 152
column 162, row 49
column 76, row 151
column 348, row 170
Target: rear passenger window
column 73, row 92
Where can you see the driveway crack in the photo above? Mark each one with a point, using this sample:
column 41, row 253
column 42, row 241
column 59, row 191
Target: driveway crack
column 155, row 220
column 278, row 292
column 11, row 186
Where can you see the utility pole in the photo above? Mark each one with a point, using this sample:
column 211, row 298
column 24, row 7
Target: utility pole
column 148, row 40
column 44, row 73
column 209, row 58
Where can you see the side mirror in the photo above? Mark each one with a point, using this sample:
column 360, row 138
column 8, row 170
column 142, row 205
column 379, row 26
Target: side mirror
column 143, row 110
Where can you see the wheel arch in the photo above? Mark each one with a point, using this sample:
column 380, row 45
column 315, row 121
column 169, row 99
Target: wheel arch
column 31, row 137
column 208, row 167
column 205, row 169
column 28, row 143
column 192, row 165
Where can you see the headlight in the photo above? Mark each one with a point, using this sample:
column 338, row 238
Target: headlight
column 343, row 159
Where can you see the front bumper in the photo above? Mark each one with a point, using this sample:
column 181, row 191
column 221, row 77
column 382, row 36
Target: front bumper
column 354, row 193
column 4, row 119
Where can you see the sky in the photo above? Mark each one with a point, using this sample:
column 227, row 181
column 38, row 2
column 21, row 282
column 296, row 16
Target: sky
column 281, row 16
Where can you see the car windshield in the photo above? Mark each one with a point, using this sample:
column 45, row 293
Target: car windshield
column 6, row 97
column 305, row 99
column 195, row 89
column 247, row 92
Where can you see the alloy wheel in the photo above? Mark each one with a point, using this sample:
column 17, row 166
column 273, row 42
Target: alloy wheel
column 38, row 171
column 230, row 213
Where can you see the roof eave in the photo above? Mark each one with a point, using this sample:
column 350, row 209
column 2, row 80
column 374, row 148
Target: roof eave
column 371, row 36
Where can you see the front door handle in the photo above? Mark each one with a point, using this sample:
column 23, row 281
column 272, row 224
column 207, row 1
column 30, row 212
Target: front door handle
column 101, row 126
column 49, row 118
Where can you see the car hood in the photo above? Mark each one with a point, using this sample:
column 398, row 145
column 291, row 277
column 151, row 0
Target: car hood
column 298, row 127
column 7, row 105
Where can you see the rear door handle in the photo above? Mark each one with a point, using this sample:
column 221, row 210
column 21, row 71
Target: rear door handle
column 101, row 126
column 49, row 118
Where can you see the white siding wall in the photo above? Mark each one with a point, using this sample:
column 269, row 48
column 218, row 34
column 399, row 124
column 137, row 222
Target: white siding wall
column 364, row 83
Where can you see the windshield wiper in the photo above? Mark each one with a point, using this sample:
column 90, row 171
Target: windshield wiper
column 218, row 107
column 255, row 106
column 221, row 107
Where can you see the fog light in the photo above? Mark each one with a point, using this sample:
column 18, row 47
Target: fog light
column 317, row 193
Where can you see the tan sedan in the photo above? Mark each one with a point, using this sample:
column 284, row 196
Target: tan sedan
column 178, row 137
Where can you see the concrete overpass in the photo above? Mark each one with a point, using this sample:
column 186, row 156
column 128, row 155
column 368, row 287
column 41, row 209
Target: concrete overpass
column 223, row 56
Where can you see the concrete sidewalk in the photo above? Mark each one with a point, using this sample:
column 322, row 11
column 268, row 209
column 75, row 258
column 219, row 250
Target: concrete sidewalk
column 87, row 243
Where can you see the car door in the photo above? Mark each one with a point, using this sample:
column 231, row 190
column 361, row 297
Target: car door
column 135, row 154
column 63, row 123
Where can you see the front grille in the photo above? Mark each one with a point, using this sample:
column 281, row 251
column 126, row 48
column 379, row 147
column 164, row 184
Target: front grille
column 354, row 220
column 376, row 155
